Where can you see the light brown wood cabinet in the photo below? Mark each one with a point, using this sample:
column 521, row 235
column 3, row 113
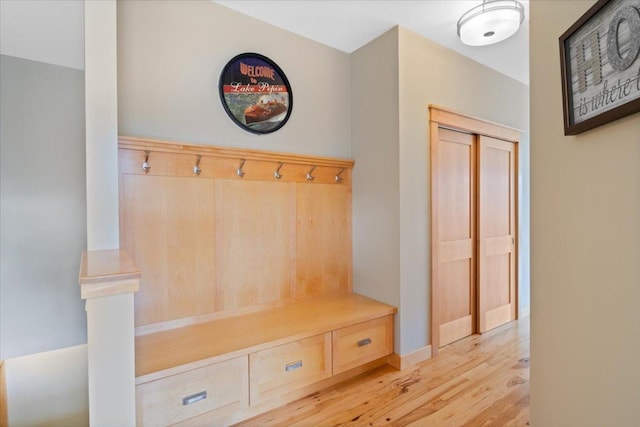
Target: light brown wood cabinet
column 245, row 298
column 282, row 369
column 358, row 344
column 294, row 349
column 220, row 387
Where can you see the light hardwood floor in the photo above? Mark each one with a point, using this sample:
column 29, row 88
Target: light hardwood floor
column 482, row 380
column 4, row 416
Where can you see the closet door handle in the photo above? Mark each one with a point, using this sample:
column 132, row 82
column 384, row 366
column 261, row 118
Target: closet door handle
column 364, row 342
column 293, row 365
column 194, row 398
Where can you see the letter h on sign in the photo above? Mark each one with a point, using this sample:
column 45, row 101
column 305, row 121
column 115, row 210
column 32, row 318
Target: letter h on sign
column 594, row 63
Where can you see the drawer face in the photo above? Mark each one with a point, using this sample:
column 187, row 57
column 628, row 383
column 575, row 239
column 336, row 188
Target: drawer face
column 358, row 344
column 222, row 386
column 279, row 370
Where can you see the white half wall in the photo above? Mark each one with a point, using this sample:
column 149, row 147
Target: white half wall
column 48, row 389
column 111, row 356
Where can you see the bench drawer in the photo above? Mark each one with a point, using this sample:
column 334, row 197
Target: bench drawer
column 276, row 371
column 220, row 387
column 365, row 342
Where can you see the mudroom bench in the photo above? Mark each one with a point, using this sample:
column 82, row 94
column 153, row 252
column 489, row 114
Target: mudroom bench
column 230, row 369
column 245, row 297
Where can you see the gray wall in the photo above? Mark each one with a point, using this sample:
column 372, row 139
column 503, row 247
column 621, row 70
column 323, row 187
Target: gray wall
column 374, row 143
column 391, row 179
column 43, row 206
column 433, row 74
column 171, row 53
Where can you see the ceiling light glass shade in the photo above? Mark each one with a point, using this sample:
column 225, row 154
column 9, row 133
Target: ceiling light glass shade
column 491, row 22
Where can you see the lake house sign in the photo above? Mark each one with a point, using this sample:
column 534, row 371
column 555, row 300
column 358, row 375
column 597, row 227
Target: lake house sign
column 600, row 60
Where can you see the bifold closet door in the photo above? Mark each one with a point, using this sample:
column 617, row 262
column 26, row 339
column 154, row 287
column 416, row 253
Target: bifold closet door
column 496, row 232
column 453, row 234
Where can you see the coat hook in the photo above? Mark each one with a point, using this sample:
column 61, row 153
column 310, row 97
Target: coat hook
column 339, row 179
column 276, row 174
column 239, row 171
column 309, row 176
column 196, row 168
column 145, row 165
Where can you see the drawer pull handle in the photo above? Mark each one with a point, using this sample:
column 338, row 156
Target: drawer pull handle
column 293, row 365
column 364, row 342
column 194, row 398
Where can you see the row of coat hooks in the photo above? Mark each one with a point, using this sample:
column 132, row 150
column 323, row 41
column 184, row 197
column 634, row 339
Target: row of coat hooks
column 239, row 172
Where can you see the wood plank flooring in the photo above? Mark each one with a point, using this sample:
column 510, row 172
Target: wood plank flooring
column 4, row 416
column 482, row 380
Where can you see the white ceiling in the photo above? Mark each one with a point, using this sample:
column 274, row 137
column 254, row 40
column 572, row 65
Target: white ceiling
column 53, row 31
column 350, row 24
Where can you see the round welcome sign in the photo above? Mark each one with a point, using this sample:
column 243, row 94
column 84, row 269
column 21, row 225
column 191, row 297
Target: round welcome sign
column 255, row 93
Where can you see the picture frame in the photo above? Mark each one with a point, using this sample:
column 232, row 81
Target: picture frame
column 255, row 93
column 600, row 65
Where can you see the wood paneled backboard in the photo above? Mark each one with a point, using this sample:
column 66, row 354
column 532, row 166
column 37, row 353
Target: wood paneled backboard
column 219, row 231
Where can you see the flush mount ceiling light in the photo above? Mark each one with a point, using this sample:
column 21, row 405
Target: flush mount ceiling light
column 491, row 22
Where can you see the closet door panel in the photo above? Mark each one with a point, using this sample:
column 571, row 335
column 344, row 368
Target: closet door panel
column 496, row 232
column 453, row 228
column 455, row 278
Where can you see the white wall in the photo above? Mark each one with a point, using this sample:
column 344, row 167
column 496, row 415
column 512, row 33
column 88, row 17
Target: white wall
column 171, row 54
column 390, row 145
column 585, row 250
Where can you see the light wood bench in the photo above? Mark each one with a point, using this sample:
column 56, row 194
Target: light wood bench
column 233, row 368
column 218, row 342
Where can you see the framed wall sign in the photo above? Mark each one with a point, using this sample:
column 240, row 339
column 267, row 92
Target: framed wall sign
column 255, row 93
column 600, row 65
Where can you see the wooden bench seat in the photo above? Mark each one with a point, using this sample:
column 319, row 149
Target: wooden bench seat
column 177, row 350
column 230, row 369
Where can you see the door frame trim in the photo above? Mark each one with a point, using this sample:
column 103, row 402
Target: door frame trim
column 468, row 124
column 446, row 118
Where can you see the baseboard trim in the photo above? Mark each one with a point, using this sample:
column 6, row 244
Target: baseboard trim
column 524, row 311
column 410, row 359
